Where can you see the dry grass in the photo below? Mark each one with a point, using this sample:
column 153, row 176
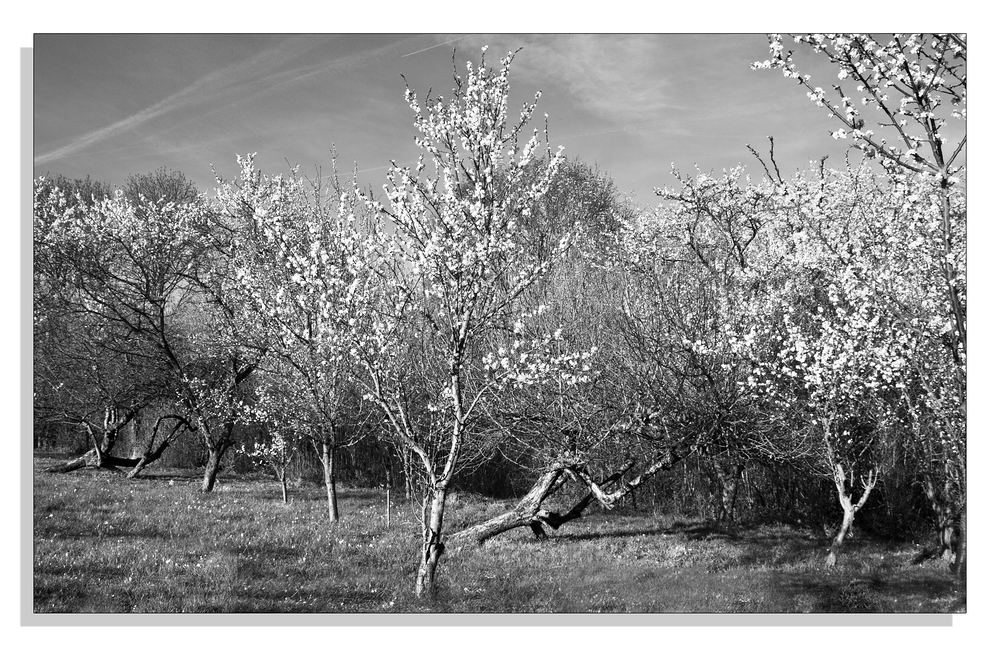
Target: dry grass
column 106, row 545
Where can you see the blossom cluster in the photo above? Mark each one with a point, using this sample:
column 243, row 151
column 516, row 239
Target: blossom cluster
column 905, row 81
column 533, row 359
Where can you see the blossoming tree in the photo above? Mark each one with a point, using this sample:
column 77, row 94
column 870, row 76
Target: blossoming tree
column 112, row 270
column 911, row 86
column 299, row 255
column 272, row 412
column 453, row 265
column 663, row 298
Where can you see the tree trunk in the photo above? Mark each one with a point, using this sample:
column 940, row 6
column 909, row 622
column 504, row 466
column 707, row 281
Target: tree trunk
column 151, row 455
column 962, row 503
column 329, row 477
column 726, row 481
column 95, row 460
column 960, row 568
column 730, row 488
column 845, row 527
column 131, row 437
column 528, row 512
column 518, row 517
column 850, row 508
column 148, row 458
column 284, row 488
column 87, row 460
column 216, row 450
column 212, row 468
column 525, row 513
column 100, row 453
column 407, row 461
column 433, row 545
column 141, row 465
column 946, row 533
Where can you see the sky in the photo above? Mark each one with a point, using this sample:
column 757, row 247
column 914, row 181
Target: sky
column 111, row 105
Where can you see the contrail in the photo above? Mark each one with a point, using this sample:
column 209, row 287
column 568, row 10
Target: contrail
column 433, row 46
column 270, row 83
column 384, row 167
column 128, row 123
column 215, row 83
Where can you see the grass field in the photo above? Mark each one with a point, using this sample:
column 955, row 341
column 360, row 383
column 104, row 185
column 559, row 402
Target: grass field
column 106, row 545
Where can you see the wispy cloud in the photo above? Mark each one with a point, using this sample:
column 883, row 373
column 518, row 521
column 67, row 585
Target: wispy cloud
column 624, row 79
column 617, row 77
column 208, row 89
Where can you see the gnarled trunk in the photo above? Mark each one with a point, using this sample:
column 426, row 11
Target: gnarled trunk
column 433, row 544
column 528, row 512
column 94, row 459
column 525, row 513
column 99, row 456
column 945, row 520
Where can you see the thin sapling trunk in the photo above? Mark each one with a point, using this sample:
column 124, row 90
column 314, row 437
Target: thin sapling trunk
column 850, row 508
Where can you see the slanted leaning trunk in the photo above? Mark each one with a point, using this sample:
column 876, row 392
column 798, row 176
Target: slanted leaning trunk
column 99, row 456
column 666, row 460
column 95, row 460
column 528, row 512
column 153, row 454
column 525, row 513
column 146, row 459
column 433, row 544
column 91, row 459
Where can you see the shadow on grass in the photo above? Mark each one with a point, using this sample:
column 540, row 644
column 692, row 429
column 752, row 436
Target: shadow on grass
column 700, row 531
column 879, row 593
column 612, row 534
column 170, row 476
column 692, row 531
column 713, row 547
